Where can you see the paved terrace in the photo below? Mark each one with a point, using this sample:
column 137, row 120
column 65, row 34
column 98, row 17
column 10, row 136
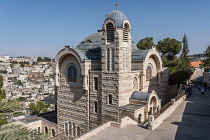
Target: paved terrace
column 190, row 121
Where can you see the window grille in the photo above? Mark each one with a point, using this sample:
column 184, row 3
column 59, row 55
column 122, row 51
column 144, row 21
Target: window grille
column 125, row 33
column 110, row 32
column 110, row 59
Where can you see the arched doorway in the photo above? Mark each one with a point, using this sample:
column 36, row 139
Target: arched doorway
column 153, row 106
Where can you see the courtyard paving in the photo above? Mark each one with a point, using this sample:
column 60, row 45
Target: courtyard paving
column 190, row 121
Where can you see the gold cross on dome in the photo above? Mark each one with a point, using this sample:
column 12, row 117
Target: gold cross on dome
column 116, row 6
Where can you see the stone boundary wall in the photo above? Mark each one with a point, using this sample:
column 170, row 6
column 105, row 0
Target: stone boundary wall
column 98, row 129
column 206, row 78
column 154, row 123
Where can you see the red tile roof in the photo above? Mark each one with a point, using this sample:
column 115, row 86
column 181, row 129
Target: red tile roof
column 196, row 64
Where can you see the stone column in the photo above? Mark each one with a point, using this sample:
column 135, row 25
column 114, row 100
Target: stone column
column 75, row 131
column 72, row 129
column 151, row 123
column 173, row 103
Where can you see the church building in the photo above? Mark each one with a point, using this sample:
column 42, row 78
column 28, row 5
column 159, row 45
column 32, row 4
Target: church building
column 104, row 77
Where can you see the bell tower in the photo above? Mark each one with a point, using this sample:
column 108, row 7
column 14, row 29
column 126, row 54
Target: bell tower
column 116, row 63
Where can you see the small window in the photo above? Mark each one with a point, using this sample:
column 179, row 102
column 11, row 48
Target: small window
column 110, row 99
column 95, row 107
column 95, row 83
column 110, row 32
column 53, row 132
column 72, row 74
column 46, row 130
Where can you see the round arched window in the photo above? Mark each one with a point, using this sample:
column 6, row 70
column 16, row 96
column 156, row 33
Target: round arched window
column 72, row 74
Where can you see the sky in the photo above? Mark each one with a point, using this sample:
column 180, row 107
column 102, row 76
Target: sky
column 44, row 27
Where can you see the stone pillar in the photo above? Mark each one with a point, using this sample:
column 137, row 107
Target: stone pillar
column 151, row 122
column 75, row 131
column 173, row 103
column 72, row 129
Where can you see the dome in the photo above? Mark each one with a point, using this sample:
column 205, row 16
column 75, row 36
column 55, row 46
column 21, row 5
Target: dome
column 91, row 42
column 118, row 17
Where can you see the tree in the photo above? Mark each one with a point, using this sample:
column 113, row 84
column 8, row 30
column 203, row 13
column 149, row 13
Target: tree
column 22, row 64
column 169, row 48
column 3, row 71
column 185, row 49
column 37, row 108
column 2, row 91
column 47, row 59
column 207, row 60
column 15, row 131
column 178, row 77
column 19, row 83
column 185, row 61
column 19, row 132
column 39, row 59
column 145, row 43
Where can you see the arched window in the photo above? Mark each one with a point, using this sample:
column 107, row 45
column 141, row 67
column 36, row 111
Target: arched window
column 46, row 130
column 149, row 73
column 72, row 74
column 125, row 33
column 53, row 132
column 110, row 32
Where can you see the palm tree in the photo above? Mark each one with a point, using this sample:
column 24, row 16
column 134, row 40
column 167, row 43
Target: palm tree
column 16, row 131
column 19, row 132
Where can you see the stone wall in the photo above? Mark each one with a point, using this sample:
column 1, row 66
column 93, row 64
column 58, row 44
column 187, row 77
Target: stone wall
column 206, row 78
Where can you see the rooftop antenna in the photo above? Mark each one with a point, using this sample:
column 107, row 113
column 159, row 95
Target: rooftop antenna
column 116, row 5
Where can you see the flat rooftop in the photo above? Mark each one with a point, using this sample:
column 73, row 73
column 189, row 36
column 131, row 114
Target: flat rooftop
column 132, row 107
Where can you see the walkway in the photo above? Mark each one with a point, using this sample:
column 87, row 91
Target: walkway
column 190, row 121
